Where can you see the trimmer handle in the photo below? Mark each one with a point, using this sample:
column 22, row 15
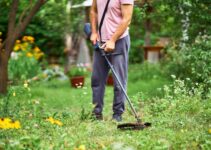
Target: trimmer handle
column 88, row 32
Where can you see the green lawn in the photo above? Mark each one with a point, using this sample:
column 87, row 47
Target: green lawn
column 181, row 122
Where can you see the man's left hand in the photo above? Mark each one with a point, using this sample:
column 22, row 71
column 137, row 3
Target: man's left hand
column 109, row 46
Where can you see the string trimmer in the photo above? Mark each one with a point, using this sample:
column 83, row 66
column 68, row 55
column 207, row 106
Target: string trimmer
column 138, row 125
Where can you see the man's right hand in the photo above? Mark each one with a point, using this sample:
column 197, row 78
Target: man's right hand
column 94, row 38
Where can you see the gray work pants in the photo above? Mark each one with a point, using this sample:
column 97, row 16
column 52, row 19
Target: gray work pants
column 100, row 74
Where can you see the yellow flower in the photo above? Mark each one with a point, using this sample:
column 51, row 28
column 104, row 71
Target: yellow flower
column 24, row 46
column 39, row 55
column 59, row 123
column 102, row 146
column 54, row 121
column 17, row 47
column 16, row 125
column 1, row 123
column 209, row 131
column 30, row 38
column 17, row 41
column 82, row 147
column 6, row 123
column 51, row 120
column 37, row 49
column 25, row 38
column 29, row 54
column 7, row 120
column 14, row 94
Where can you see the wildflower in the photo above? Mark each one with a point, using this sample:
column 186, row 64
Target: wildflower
column 17, row 41
column 37, row 49
column 59, row 123
column 209, row 131
column 102, row 146
column 24, row 46
column 17, row 47
column 54, row 121
column 81, row 147
column 39, row 55
column 14, row 94
column 173, row 76
column 26, row 84
column 51, row 120
column 30, row 39
column 188, row 79
column 16, row 125
column 25, row 38
column 7, row 123
column 29, row 54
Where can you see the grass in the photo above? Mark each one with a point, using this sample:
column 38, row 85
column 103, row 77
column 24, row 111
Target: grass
column 179, row 122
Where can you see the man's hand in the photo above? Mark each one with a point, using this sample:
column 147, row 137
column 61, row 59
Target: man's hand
column 109, row 46
column 94, row 38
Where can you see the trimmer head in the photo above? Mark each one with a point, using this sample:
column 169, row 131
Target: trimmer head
column 133, row 126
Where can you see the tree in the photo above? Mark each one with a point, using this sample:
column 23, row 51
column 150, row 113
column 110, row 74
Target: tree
column 14, row 30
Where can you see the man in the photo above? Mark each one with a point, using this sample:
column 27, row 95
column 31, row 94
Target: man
column 115, row 36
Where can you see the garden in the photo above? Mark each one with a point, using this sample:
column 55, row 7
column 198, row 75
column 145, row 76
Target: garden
column 46, row 68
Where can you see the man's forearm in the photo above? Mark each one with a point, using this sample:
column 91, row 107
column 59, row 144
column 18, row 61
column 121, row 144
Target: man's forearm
column 93, row 17
column 127, row 15
column 120, row 30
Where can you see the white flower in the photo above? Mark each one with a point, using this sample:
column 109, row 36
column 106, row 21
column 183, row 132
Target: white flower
column 173, row 76
column 25, row 85
column 188, row 79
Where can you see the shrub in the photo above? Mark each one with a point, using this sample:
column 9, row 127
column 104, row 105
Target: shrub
column 192, row 62
column 24, row 62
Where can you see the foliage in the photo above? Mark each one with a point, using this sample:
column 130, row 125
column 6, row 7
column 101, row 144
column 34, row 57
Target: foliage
column 23, row 68
column 24, row 62
column 136, row 53
column 48, row 26
column 188, row 130
column 79, row 70
column 173, row 15
column 192, row 62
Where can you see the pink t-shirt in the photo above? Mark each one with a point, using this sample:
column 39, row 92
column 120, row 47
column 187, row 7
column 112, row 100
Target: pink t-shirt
column 113, row 17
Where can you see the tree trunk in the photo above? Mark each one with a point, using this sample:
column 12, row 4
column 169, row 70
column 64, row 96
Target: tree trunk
column 3, row 72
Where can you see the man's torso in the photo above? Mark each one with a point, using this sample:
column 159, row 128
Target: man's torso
column 113, row 17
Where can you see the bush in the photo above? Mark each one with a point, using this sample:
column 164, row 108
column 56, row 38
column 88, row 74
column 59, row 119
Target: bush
column 23, row 68
column 24, row 62
column 192, row 62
